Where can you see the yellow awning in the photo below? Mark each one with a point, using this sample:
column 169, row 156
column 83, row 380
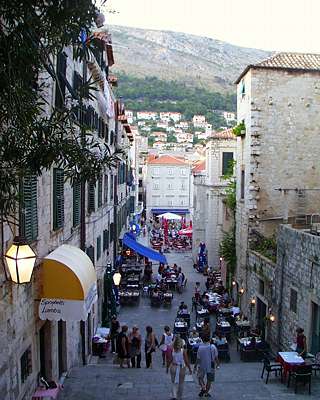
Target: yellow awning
column 69, row 284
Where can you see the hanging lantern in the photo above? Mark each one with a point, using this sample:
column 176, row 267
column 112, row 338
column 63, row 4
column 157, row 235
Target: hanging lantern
column 117, row 278
column 20, row 260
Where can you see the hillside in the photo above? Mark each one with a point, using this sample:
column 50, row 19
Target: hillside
column 153, row 94
column 194, row 60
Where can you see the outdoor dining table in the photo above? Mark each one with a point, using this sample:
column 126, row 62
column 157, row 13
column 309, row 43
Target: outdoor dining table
column 289, row 360
column 203, row 312
column 223, row 327
column 246, row 341
column 180, row 326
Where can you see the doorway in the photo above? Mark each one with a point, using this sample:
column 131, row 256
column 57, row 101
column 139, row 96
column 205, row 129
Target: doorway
column 89, row 336
column 45, row 351
column 62, row 347
column 261, row 317
column 315, row 328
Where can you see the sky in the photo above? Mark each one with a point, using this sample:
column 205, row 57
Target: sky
column 279, row 25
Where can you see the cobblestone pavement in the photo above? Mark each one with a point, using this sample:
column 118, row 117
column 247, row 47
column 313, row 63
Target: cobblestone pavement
column 234, row 380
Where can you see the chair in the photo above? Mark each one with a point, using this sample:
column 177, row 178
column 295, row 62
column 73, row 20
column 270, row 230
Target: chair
column 271, row 367
column 223, row 352
column 302, row 374
column 316, row 363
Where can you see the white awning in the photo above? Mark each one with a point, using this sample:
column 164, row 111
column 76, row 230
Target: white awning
column 69, row 285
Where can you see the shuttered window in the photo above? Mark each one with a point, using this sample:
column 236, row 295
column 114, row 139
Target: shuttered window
column 91, row 197
column 98, row 247
column 227, row 159
column 105, row 239
column 106, row 179
column 58, row 198
column 61, row 80
column 111, row 235
column 76, row 204
column 100, row 191
column 90, row 253
column 29, row 208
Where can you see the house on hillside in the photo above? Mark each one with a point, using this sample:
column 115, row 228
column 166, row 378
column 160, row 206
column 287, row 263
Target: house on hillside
column 199, row 121
column 147, row 115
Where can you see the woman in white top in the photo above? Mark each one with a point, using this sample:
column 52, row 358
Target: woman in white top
column 166, row 346
column 178, row 364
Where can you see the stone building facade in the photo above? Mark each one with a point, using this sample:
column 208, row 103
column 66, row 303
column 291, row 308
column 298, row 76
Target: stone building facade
column 289, row 289
column 211, row 216
column 168, row 185
column 30, row 346
column 278, row 166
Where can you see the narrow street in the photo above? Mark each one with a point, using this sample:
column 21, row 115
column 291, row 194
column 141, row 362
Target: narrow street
column 235, row 380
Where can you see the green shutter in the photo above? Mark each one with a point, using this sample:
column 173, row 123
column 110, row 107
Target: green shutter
column 105, row 239
column 111, row 230
column 100, row 191
column 227, row 158
column 98, row 247
column 58, row 198
column 29, row 207
column 91, row 197
column 106, row 186
column 76, row 204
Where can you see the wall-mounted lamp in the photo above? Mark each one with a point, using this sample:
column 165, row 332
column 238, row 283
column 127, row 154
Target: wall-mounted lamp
column 20, row 259
column 117, row 278
column 253, row 302
column 241, row 290
column 233, row 283
column 272, row 318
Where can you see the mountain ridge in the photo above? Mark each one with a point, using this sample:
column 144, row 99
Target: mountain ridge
column 196, row 60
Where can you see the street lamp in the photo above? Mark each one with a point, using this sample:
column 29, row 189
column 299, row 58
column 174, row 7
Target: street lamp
column 20, row 259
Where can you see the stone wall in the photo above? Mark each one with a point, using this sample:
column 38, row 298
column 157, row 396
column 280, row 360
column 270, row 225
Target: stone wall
column 298, row 269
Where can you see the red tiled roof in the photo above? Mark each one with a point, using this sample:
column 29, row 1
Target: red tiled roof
column 200, row 166
column 167, row 160
column 288, row 61
column 226, row 134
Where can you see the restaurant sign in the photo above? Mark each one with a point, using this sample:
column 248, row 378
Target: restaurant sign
column 68, row 310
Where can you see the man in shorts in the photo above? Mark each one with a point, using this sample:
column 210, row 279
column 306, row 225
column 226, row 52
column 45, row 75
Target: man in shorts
column 207, row 358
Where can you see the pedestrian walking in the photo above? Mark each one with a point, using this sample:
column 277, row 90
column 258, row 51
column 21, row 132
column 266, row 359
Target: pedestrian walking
column 206, row 362
column 166, row 345
column 114, row 332
column 123, row 347
column 135, row 347
column 178, row 364
column 150, row 346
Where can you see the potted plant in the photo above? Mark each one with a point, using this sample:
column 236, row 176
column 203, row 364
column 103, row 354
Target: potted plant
column 240, row 129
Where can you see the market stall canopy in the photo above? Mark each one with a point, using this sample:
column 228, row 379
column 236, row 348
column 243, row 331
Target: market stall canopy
column 139, row 248
column 179, row 211
column 169, row 215
column 69, row 285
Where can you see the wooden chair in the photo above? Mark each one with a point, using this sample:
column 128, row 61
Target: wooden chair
column 316, row 363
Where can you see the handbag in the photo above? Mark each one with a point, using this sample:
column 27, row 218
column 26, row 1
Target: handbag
column 163, row 347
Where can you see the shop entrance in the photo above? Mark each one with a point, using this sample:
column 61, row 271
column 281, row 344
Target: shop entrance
column 261, row 316
column 315, row 328
column 45, row 350
column 62, row 347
